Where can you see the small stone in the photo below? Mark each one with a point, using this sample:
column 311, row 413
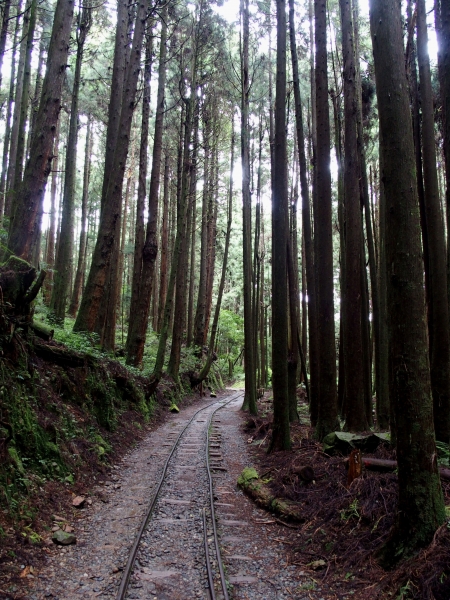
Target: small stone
column 78, row 501
column 64, row 539
column 58, row 519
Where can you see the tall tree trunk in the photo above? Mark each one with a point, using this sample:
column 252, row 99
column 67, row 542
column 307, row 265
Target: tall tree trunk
column 81, row 267
column 101, row 286
column 37, row 86
column 15, row 127
column 381, row 374
column 117, row 86
column 192, row 265
column 183, row 227
column 25, row 101
column 438, row 318
column 306, row 216
column 281, row 431
column 5, row 200
column 164, row 244
column 442, row 12
column 250, row 367
column 64, row 256
column 137, row 328
column 354, row 403
column 199, row 322
column 209, row 360
column 420, row 504
column 327, row 414
column 139, row 238
column 178, row 245
column 30, row 195
column 192, row 233
column 51, row 238
column 4, row 33
column 212, row 231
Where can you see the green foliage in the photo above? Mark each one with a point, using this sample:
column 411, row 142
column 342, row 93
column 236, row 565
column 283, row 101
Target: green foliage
column 443, row 452
column 231, row 328
column 247, row 475
column 352, row 512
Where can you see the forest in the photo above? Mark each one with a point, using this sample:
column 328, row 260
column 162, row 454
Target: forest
column 194, row 193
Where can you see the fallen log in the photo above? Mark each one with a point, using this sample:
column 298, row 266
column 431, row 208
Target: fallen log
column 60, row 356
column 383, row 464
column 262, row 496
column 42, row 331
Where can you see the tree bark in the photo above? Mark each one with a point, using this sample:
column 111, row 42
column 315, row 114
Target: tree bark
column 306, row 216
column 420, row 505
column 209, row 360
column 25, row 101
column 164, row 244
column 327, row 413
column 15, row 127
column 4, row 33
column 139, row 238
column 281, row 431
column 81, row 266
column 5, row 200
column 354, row 403
column 250, row 367
column 51, row 236
column 31, row 192
column 64, row 257
column 102, row 285
column 137, row 328
column 438, row 314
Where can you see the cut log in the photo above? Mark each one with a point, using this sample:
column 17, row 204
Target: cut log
column 381, row 464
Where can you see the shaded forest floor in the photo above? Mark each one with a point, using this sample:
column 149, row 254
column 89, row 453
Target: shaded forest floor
column 74, row 416
column 71, row 416
column 341, row 526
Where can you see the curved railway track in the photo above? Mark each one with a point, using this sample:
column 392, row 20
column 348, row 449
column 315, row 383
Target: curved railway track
column 183, row 499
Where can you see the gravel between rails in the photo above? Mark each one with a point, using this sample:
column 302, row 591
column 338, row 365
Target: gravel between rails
column 170, row 562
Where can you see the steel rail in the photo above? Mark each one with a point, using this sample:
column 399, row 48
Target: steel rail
column 211, row 500
column 123, row 587
column 208, row 561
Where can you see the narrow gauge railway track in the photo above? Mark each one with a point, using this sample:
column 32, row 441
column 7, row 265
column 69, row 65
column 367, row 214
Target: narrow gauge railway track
column 183, row 499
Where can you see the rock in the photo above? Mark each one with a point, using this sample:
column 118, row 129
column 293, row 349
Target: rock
column 55, row 528
column 213, row 395
column 78, row 501
column 68, row 529
column 63, row 539
column 58, row 519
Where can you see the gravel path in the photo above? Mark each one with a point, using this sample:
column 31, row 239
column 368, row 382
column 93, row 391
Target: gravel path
column 171, row 561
